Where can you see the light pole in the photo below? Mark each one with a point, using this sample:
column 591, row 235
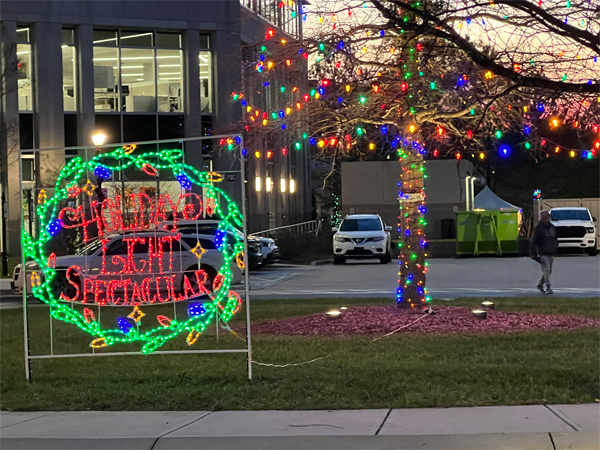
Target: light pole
column 4, row 240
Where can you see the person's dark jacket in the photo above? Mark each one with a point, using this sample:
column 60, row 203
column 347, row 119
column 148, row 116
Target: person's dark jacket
column 544, row 240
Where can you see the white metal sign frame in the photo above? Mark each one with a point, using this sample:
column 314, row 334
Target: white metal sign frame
column 87, row 150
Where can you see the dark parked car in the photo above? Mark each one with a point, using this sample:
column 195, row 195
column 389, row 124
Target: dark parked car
column 256, row 259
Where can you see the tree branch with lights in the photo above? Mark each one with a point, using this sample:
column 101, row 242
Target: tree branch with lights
column 407, row 78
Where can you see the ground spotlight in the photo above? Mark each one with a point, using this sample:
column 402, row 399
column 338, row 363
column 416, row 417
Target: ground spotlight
column 480, row 314
column 334, row 314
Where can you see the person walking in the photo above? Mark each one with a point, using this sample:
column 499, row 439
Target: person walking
column 543, row 247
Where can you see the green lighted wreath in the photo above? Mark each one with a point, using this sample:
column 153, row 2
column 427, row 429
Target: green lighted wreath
column 222, row 301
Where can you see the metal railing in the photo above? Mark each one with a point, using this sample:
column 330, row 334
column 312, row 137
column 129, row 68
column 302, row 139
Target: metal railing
column 285, row 15
column 312, row 226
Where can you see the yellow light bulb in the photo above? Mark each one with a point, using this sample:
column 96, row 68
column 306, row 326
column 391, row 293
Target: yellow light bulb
column 348, row 87
column 482, row 155
column 248, row 108
column 288, row 110
column 265, row 121
column 572, row 154
column 371, row 146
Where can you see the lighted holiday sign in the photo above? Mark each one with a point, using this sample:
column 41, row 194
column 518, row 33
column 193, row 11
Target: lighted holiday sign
column 163, row 272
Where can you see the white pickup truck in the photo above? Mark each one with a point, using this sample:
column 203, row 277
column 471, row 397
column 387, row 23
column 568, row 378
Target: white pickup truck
column 575, row 228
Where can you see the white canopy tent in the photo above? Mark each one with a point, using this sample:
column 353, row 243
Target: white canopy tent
column 487, row 200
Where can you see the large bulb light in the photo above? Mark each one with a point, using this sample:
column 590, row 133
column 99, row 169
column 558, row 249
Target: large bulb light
column 98, row 138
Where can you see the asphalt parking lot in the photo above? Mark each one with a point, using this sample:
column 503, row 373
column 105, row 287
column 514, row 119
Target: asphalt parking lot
column 573, row 276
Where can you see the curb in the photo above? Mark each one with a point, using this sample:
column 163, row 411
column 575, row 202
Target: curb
column 321, row 262
column 171, row 441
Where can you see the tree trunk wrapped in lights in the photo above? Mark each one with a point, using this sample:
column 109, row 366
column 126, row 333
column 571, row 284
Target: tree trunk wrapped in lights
column 412, row 266
column 403, row 76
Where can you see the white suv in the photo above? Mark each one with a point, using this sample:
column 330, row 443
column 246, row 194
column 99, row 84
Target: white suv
column 362, row 236
column 575, row 228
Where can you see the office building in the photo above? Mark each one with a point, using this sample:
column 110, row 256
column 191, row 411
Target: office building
column 138, row 71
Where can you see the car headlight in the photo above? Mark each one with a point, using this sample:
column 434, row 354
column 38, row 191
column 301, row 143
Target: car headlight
column 339, row 238
column 590, row 229
column 378, row 239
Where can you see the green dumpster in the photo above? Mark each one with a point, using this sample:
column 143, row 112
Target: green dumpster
column 507, row 224
column 466, row 232
column 487, row 232
column 487, row 236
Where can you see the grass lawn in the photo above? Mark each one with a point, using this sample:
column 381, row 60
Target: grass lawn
column 399, row 371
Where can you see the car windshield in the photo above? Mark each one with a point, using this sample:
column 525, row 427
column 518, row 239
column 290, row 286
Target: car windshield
column 90, row 248
column 570, row 214
column 361, row 225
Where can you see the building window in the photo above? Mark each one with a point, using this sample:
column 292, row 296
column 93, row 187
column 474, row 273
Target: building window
column 138, row 87
column 28, row 167
column 25, row 131
column 170, row 84
column 110, row 125
column 146, row 66
column 69, row 67
column 106, row 71
column 24, row 69
column 71, row 133
column 206, row 77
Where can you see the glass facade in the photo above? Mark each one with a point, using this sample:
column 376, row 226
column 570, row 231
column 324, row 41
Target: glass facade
column 138, row 71
column 170, row 82
column 69, row 68
column 24, row 69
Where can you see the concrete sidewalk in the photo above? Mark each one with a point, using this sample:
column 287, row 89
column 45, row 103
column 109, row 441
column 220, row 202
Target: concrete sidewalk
column 492, row 427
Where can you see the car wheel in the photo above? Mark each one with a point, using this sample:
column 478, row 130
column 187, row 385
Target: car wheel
column 593, row 251
column 60, row 284
column 191, row 275
column 339, row 260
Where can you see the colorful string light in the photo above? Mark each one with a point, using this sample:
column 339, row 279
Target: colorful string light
column 53, row 218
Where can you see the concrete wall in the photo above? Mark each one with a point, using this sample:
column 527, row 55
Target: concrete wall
column 371, row 187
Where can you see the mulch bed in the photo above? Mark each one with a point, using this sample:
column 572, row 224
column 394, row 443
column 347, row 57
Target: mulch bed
column 374, row 320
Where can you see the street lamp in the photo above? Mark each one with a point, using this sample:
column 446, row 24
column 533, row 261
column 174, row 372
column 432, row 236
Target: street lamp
column 98, row 138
